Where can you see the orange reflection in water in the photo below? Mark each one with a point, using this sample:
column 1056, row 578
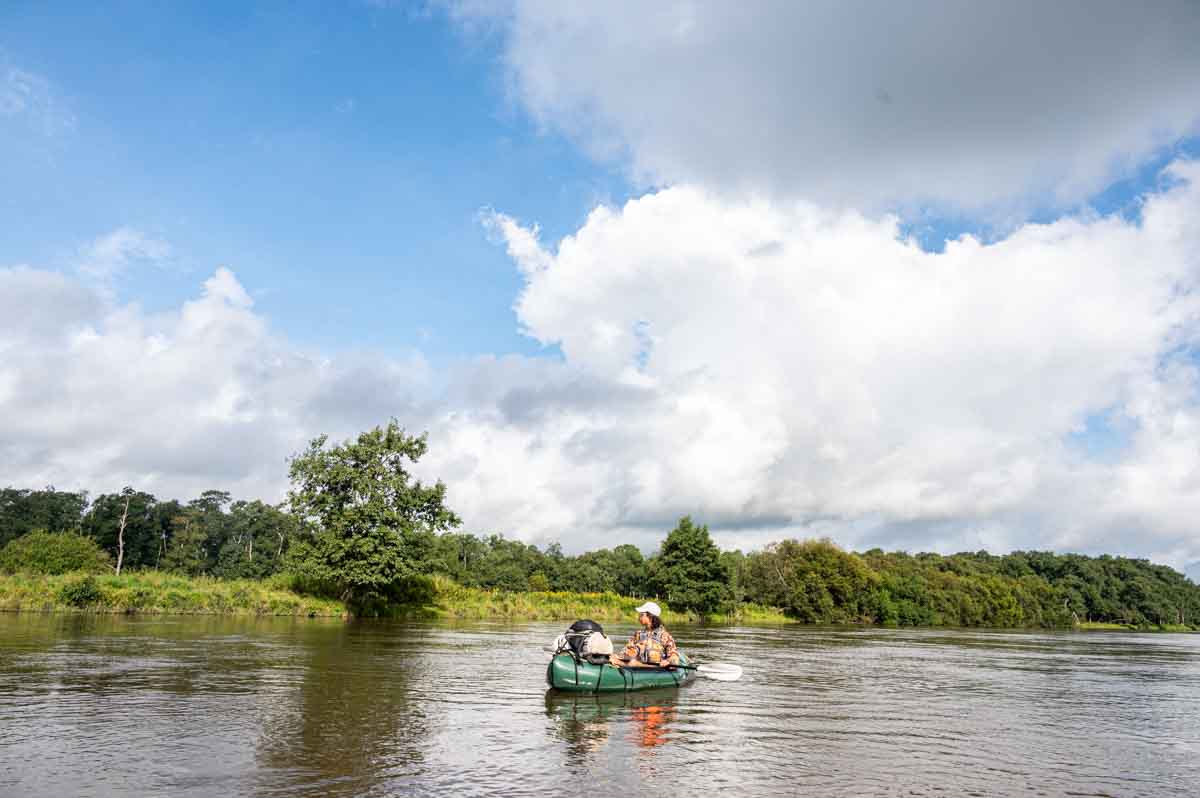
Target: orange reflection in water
column 651, row 724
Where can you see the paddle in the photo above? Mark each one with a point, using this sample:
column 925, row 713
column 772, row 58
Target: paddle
column 721, row 671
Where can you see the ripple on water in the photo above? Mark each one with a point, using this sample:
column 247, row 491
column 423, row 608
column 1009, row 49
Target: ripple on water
column 241, row 707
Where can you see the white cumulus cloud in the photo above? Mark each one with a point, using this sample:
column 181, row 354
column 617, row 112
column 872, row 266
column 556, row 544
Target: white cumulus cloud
column 770, row 367
column 867, row 104
column 775, row 366
column 96, row 395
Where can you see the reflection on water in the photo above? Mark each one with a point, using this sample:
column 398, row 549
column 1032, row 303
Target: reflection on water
column 583, row 721
column 208, row 706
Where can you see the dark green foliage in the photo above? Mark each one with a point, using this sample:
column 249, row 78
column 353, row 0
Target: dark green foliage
column 143, row 530
column 42, row 552
column 82, row 593
column 738, row 565
column 813, row 581
column 184, row 551
column 22, row 511
column 367, row 524
column 688, row 572
column 256, row 541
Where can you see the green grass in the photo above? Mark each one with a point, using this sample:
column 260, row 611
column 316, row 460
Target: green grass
column 452, row 600
column 1103, row 626
column 156, row 593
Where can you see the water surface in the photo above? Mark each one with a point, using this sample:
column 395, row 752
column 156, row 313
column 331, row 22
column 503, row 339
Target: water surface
column 187, row 706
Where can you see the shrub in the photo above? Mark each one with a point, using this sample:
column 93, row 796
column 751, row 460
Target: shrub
column 81, row 593
column 43, row 552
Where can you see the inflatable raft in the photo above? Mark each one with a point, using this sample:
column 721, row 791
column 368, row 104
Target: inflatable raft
column 571, row 674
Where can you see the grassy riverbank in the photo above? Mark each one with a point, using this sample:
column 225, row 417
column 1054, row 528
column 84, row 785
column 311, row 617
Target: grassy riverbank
column 452, row 600
column 156, row 593
column 1100, row 626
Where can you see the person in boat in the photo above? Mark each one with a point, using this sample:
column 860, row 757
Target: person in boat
column 650, row 646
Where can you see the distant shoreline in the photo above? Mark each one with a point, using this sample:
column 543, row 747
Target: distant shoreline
column 157, row 593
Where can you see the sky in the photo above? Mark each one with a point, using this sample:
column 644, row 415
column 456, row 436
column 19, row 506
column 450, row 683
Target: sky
column 920, row 277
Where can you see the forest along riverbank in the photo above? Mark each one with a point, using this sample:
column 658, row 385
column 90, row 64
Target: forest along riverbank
column 302, row 549
column 157, row 593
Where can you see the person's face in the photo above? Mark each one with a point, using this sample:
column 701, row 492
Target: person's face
column 644, row 619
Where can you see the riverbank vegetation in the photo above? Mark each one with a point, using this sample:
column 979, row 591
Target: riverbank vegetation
column 155, row 592
column 359, row 536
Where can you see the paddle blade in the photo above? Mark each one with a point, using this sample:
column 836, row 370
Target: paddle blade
column 720, row 671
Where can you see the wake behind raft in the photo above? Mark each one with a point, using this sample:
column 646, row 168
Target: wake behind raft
column 580, row 664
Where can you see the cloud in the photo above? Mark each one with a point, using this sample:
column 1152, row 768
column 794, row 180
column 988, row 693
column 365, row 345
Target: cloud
column 113, row 253
column 774, row 366
column 97, row 395
column 861, row 104
column 30, row 98
column 770, row 367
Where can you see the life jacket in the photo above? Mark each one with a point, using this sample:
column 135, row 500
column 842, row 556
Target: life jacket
column 648, row 646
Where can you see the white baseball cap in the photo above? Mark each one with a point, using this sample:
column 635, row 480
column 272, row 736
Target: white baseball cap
column 651, row 608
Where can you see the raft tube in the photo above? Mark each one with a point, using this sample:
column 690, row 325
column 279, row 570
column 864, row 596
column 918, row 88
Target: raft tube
column 564, row 672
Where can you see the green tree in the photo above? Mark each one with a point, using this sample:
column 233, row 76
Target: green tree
column 45, row 552
column 370, row 524
column 738, row 566
column 688, row 571
column 125, row 524
column 629, row 570
column 185, row 548
column 816, row 582
column 208, row 511
column 22, row 511
column 256, row 541
column 458, row 556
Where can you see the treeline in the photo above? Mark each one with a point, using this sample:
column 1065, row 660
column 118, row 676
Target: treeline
column 209, row 535
column 817, row 582
column 811, row 581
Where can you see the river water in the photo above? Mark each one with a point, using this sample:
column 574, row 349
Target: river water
column 187, row 706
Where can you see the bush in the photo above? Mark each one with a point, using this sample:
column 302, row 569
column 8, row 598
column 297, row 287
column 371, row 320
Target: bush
column 42, row 552
column 82, row 593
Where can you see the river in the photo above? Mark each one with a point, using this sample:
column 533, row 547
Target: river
column 201, row 706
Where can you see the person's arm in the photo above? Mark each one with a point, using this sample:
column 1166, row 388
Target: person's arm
column 669, row 648
column 631, row 650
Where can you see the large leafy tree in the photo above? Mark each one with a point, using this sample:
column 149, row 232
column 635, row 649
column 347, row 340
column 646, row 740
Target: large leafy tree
column 22, row 511
column 813, row 581
column 370, row 524
column 688, row 572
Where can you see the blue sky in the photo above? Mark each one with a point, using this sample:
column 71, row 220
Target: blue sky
column 622, row 263
column 336, row 156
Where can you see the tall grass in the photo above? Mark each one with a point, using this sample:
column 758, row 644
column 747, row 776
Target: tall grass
column 153, row 592
column 452, row 600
